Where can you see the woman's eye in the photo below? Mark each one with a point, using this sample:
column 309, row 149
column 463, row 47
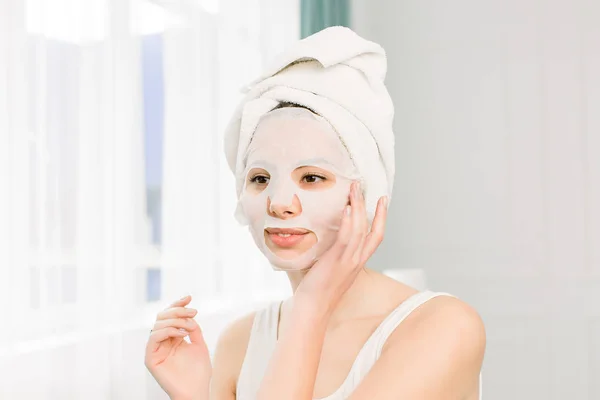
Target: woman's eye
column 260, row 179
column 311, row 178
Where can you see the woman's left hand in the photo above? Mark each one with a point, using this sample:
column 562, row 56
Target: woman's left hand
column 333, row 274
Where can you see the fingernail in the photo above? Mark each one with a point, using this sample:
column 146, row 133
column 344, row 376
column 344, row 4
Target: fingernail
column 191, row 312
column 385, row 201
column 348, row 210
column 356, row 190
column 185, row 297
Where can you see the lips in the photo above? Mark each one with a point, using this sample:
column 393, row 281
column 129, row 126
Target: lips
column 286, row 237
column 291, row 231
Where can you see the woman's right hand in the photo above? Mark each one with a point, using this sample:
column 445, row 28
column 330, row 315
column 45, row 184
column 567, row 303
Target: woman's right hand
column 333, row 274
column 182, row 369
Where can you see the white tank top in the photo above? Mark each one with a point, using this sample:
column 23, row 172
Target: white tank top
column 263, row 338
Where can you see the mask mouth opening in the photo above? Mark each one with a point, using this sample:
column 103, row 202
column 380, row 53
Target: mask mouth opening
column 288, row 243
column 288, row 231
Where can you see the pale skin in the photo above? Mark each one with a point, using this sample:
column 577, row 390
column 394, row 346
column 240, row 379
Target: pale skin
column 435, row 353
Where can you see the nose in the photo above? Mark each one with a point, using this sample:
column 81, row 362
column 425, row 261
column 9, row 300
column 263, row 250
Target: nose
column 284, row 211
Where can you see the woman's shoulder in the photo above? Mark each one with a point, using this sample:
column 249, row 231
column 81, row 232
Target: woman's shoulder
column 229, row 355
column 444, row 309
column 237, row 333
column 443, row 324
column 233, row 340
column 423, row 309
column 437, row 339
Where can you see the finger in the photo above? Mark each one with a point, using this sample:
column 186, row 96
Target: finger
column 185, row 323
column 195, row 332
column 357, row 259
column 359, row 232
column 362, row 209
column 185, row 300
column 160, row 335
column 176, row 312
column 359, row 213
column 374, row 238
column 345, row 232
column 345, row 227
column 364, row 227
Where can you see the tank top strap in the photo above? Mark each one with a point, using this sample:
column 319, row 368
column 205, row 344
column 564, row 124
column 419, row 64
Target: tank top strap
column 371, row 351
column 399, row 314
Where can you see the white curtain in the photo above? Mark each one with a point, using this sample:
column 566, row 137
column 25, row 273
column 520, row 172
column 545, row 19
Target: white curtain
column 115, row 198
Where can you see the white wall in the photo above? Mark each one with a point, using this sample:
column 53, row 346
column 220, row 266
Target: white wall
column 497, row 192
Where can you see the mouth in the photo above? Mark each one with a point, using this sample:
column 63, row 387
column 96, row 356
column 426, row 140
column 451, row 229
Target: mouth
column 286, row 237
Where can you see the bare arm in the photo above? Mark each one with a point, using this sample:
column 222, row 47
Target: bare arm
column 439, row 356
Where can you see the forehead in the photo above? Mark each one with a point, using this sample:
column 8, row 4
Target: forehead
column 295, row 139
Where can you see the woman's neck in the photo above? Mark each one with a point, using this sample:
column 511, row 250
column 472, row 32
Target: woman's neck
column 358, row 299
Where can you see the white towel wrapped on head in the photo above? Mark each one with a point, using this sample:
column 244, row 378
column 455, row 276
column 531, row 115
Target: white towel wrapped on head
column 340, row 76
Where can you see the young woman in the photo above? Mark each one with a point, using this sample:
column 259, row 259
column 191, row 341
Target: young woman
column 315, row 200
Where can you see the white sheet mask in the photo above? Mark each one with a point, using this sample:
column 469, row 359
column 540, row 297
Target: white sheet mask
column 286, row 139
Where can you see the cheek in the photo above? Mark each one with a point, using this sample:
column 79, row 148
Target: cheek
column 254, row 206
column 327, row 205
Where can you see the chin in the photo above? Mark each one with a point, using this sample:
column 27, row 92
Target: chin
column 286, row 254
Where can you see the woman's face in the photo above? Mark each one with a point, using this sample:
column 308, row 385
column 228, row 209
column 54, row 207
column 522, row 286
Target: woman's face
column 290, row 243
column 297, row 180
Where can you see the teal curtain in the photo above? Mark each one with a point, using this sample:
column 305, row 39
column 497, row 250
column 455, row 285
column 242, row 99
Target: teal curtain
column 317, row 15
